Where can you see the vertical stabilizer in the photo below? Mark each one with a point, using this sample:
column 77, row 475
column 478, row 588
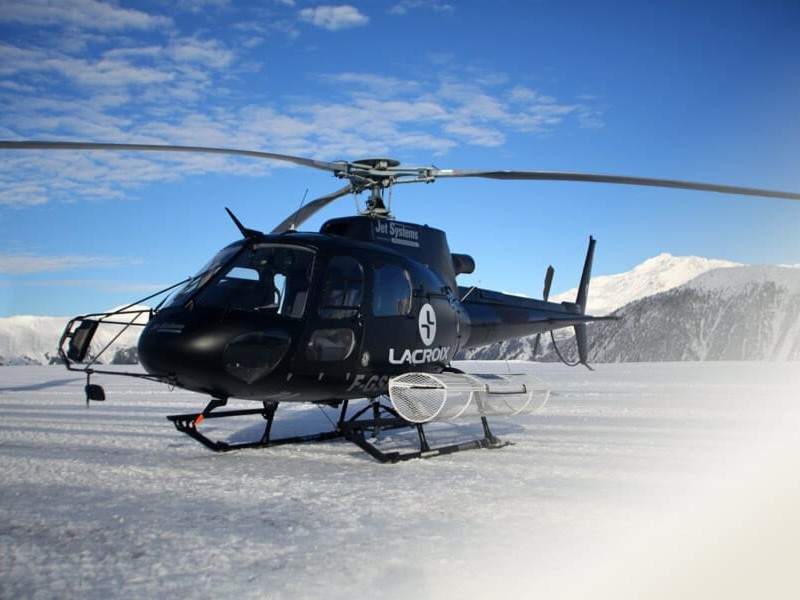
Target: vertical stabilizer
column 583, row 288
column 583, row 294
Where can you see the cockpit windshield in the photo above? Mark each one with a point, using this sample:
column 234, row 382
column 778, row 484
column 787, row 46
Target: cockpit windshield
column 268, row 277
column 203, row 275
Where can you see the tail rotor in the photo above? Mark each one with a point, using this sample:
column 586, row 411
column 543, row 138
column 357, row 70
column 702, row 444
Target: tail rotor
column 583, row 294
column 548, row 281
column 577, row 308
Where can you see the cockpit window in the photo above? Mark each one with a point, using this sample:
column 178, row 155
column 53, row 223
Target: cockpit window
column 271, row 278
column 343, row 288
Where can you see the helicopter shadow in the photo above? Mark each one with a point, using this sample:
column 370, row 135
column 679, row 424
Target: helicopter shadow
column 33, row 387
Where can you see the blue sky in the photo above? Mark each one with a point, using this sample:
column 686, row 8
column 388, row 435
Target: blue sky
column 704, row 91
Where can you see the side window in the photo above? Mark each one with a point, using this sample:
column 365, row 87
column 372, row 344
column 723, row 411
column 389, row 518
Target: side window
column 392, row 294
column 343, row 288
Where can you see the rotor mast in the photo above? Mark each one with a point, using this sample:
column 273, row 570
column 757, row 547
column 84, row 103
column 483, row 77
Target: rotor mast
column 376, row 175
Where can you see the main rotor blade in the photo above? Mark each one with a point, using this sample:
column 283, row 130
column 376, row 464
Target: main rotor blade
column 47, row 145
column 619, row 179
column 305, row 212
column 364, row 173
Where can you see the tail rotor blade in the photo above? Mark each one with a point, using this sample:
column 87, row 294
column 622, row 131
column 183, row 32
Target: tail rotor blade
column 548, row 282
column 583, row 295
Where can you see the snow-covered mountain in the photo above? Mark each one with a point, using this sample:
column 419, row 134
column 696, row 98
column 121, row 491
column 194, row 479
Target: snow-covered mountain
column 729, row 313
column 742, row 313
column 607, row 293
column 29, row 340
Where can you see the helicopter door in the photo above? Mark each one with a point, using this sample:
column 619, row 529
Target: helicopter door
column 337, row 337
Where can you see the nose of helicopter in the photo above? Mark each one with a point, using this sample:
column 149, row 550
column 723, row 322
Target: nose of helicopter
column 208, row 356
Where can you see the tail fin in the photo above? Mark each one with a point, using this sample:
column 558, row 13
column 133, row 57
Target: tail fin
column 583, row 294
column 548, row 282
column 583, row 288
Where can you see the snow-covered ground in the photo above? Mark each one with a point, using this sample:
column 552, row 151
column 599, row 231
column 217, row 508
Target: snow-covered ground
column 635, row 481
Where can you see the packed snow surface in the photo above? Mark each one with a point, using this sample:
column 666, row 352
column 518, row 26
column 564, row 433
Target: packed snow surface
column 668, row 480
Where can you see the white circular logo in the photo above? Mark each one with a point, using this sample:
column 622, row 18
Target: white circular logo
column 427, row 324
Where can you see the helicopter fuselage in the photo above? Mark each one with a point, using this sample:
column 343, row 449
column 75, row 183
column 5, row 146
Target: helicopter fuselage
column 330, row 316
column 304, row 316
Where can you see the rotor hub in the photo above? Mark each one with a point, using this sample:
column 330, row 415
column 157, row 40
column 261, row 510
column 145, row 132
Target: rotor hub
column 378, row 163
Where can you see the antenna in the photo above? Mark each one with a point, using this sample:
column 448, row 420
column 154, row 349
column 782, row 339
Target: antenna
column 293, row 226
column 247, row 233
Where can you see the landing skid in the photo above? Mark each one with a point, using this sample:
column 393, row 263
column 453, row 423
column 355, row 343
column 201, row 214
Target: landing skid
column 355, row 434
column 362, row 431
column 188, row 424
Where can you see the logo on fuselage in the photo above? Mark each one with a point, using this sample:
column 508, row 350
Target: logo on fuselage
column 420, row 356
column 397, row 233
column 427, row 324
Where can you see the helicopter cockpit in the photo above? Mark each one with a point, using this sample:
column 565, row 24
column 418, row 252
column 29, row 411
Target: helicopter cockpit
column 262, row 277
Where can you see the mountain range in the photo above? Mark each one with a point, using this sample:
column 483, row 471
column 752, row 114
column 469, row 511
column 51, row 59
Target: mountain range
column 680, row 308
column 670, row 308
column 31, row 340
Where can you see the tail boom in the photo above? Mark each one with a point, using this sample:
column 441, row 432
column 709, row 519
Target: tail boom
column 497, row 317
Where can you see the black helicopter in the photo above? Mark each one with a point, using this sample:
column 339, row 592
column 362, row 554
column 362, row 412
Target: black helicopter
column 368, row 307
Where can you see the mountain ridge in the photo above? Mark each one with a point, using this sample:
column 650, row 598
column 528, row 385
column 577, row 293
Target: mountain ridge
column 658, row 274
column 732, row 313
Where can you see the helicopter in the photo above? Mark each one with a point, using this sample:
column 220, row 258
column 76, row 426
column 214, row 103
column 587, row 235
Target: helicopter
column 367, row 307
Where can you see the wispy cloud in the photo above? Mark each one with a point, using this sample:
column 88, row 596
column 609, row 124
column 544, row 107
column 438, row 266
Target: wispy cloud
column 87, row 14
column 18, row 264
column 212, row 54
column 89, row 285
column 178, row 88
column 334, row 18
column 197, row 6
column 390, row 114
column 405, row 6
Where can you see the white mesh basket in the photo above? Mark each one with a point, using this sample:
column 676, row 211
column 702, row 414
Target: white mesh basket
column 423, row 397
